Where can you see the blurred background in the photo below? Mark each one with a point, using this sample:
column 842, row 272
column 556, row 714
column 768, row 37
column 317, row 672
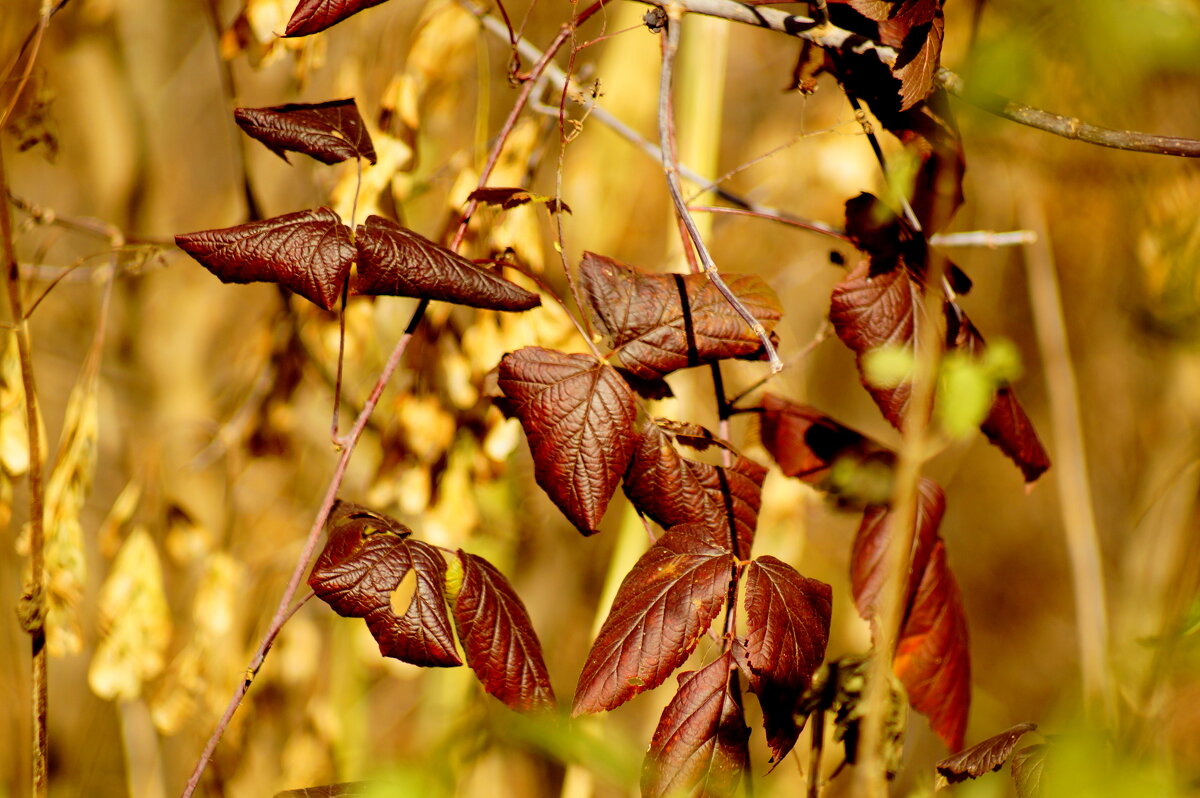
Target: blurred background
column 196, row 442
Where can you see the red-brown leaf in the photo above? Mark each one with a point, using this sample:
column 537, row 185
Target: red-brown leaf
column 658, row 323
column 787, row 620
column 671, row 489
column 360, row 567
column 983, row 757
column 1006, row 425
column 578, row 415
column 932, row 658
column 498, row 638
column 331, row 131
column 814, row 448
column 313, row 16
column 664, row 605
column 869, row 311
column 509, row 198
column 395, row 261
column 914, row 28
column 700, row 747
column 309, row 252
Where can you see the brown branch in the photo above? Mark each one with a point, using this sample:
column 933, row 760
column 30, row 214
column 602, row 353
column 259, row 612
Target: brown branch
column 284, row 610
column 841, row 40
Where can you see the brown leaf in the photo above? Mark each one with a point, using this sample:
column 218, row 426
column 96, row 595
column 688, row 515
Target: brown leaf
column 671, row 489
column 313, row 16
column 871, row 311
column 932, row 658
column 1027, row 767
column 914, row 28
column 309, row 252
column 395, row 261
column 509, row 198
column 362, row 565
column 339, row 790
column 664, row 605
column 578, row 415
column 700, row 747
column 814, row 448
column 498, row 638
column 658, row 323
column 983, row 757
column 787, row 620
column 330, row 131
column 1006, row 425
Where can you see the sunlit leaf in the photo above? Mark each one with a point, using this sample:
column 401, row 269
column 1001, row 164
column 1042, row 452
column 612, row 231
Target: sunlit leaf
column 309, row 252
column 395, row 261
column 671, row 489
column 658, row 323
column 932, row 657
column 360, row 571
column 498, row 638
column 313, row 16
column 700, row 747
column 135, row 622
column 1028, row 764
column 578, row 415
column 663, row 606
column 330, row 131
column 508, row 198
column 787, row 622
column 983, row 757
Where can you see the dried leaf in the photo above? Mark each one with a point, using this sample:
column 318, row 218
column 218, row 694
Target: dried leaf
column 1027, row 767
column 509, row 198
column 983, row 757
column 787, row 620
column 673, row 490
column 578, row 415
column 313, row 16
column 932, row 657
column 363, row 564
column 14, row 441
column 498, row 638
column 339, row 790
column 870, row 311
column 330, row 131
column 658, row 323
column 663, row 606
column 395, row 261
column 914, row 29
column 309, row 252
column 135, row 622
column 1006, row 425
column 700, row 747
column 816, row 449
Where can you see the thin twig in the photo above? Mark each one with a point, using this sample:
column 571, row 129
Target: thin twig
column 839, row 39
column 283, row 611
column 670, row 45
column 1075, row 497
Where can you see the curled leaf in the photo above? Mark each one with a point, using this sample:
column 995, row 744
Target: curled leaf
column 498, row 638
column 700, row 746
column 309, row 252
column 395, row 261
column 983, row 757
column 787, row 620
column 578, row 415
column 663, row 606
column 658, row 323
column 330, row 131
column 360, row 572
column 509, row 198
column 671, row 489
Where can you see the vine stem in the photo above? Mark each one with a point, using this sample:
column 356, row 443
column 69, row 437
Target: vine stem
column 284, row 611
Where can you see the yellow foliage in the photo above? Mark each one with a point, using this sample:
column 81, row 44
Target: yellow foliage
column 135, row 622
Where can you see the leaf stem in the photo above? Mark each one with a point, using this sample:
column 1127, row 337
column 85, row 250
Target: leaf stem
column 670, row 46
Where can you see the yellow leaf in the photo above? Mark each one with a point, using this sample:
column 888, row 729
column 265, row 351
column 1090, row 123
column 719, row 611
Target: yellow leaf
column 135, row 621
column 109, row 536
